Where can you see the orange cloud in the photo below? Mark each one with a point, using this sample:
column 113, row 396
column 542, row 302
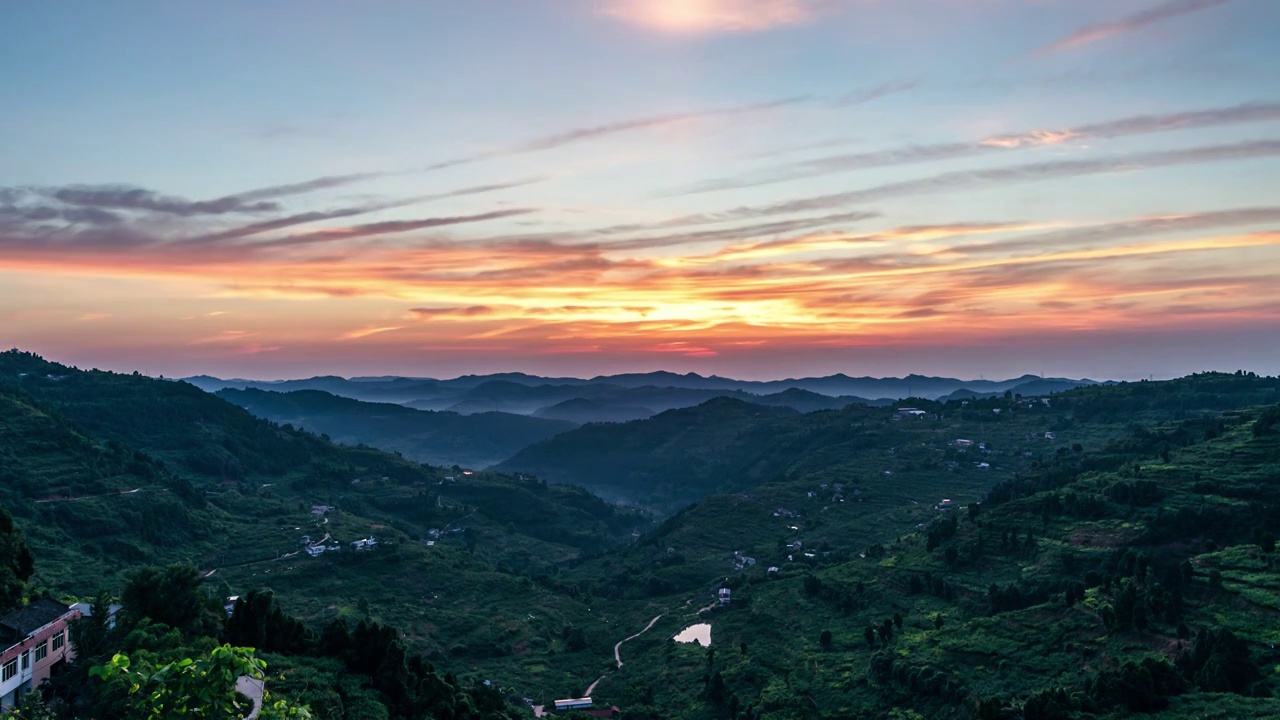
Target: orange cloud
column 696, row 17
column 226, row 336
column 723, row 295
column 366, row 332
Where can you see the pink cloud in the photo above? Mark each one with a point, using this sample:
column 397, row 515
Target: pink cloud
column 697, row 17
column 1102, row 31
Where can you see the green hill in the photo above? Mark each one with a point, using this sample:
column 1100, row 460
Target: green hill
column 727, row 445
column 233, row 494
column 436, row 438
column 1107, row 552
column 1136, row 575
column 667, row 460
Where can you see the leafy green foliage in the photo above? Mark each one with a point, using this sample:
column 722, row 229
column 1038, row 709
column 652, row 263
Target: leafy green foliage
column 16, row 563
column 204, row 687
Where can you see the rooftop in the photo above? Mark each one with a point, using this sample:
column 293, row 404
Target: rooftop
column 21, row 623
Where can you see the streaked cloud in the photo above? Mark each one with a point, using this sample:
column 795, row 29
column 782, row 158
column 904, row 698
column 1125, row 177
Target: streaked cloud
column 1166, row 10
column 368, row 331
column 1246, row 113
column 871, row 94
column 618, row 127
column 120, row 197
column 960, row 180
column 470, row 311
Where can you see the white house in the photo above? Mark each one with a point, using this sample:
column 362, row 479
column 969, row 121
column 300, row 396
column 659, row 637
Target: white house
column 573, row 703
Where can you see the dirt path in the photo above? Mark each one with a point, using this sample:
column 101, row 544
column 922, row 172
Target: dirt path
column 617, row 653
column 86, row 497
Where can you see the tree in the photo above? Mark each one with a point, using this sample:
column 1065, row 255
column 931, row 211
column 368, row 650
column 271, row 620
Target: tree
column 812, row 585
column 715, row 688
column 16, row 563
column 825, row 639
column 257, row 622
column 870, row 635
column 951, row 555
column 937, row 621
column 897, row 620
column 190, row 688
column 171, row 596
column 886, row 630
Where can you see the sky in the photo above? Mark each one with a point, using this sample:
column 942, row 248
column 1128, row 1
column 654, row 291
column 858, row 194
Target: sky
column 753, row 188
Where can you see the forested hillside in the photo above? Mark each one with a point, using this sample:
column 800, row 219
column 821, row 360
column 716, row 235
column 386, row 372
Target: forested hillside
column 106, row 473
column 1137, row 577
column 726, row 445
column 1098, row 552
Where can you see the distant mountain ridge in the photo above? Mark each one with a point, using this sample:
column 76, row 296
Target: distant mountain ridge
column 436, row 438
column 622, row 396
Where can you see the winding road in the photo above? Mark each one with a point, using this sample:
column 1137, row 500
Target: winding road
column 617, row 653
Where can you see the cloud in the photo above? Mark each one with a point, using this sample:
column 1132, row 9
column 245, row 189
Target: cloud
column 451, row 312
column 95, row 198
column 1091, row 235
column 123, row 197
column 913, row 154
column 384, row 228
column 1101, row 31
column 366, row 332
column 1035, row 138
column 683, row 348
column 738, row 233
column 41, row 213
column 226, row 336
column 306, row 186
column 594, row 132
column 861, row 97
column 960, row 180
column 698, row 17
column 316, row 216
column 591, row 133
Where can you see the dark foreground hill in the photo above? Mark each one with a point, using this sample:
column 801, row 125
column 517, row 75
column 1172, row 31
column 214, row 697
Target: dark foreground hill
column 436, row 438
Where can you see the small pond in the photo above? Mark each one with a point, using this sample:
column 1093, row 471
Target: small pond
column 699, row 633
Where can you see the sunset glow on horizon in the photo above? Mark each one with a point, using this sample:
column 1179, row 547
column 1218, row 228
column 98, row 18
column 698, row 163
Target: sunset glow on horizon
column 755, row 188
